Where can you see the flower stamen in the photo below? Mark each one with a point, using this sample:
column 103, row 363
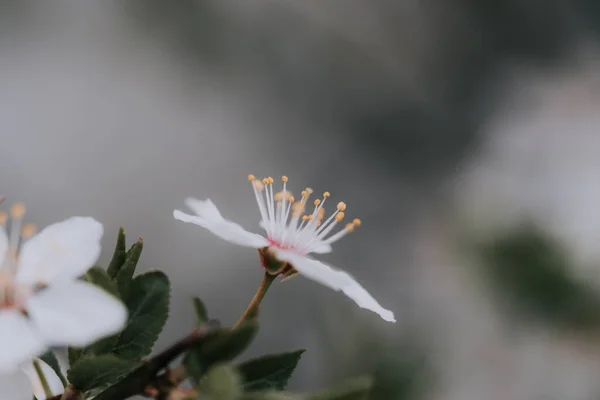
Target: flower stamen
column 301, row 231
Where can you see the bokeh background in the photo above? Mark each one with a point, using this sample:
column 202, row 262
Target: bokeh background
column 463, row 133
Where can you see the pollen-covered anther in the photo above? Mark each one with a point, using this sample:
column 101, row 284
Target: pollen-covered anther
column 326, row 194
column 341, row 206
column 339, row 216
column 297, row 208
column 258, row 185
column 265, row 181
column 309, row 191
column 28, row 231
column 251, row 177
column 350, row 227
column 356, row 222
column 17, row 210
column 271, row 180
column 317, row 202
column 284, row 178
column 321, row 214
column 291, row 199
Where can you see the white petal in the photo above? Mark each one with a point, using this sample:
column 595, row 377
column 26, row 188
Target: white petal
column 3, row 245
column 336, row 280
column 223, row 228
column 54, row 384
column 61, row 252
column 76, row 313
column 320, row 247
column 205, row 209
column 15, row 386
column 18, row 341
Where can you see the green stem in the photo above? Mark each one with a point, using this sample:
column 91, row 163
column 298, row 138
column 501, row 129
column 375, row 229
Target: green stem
column 252, row 309
column 43, row 380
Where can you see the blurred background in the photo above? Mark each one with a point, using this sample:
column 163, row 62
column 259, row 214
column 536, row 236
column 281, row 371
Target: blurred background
column 463, row 133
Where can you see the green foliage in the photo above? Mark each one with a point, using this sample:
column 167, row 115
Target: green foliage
column 99, row 277
column 225, row 345
column 201, row 313
column 532, row 275
column 222, row 382
column 125, row 273
column 355, row 390
column 118, row 258
column 148, row 308
column 269, row 372
column 93, row 373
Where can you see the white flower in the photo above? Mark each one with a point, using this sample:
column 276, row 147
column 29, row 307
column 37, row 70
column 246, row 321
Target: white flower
column 42, row 303
column 291, row 235
column 25, row 383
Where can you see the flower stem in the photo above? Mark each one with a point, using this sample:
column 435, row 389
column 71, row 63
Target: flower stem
column 252, row 309
column 43, row 380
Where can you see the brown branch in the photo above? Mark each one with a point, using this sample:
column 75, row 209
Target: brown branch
column 252, row 309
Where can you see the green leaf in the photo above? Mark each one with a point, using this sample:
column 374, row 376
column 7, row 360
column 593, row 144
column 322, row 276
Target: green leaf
column 73, row 353
column 269, row 372
column 118, row 258
column 148, row 307
column 356, row 390
column 268, row 396
column 220, row 383
column 129, row 386
column 99, row 372
column 201, row 313
column 99, row 277
column 125, row 274
column 50, row 358
column 223, row 346
column 532, row 275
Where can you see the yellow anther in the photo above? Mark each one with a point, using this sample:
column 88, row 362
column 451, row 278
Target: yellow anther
column 28, row 231
column 284, row 178
column 303, row 193
column 349, row 227
column 3, row 217
column 326, row 194
column 309, row 190
column 271, row 180
column 304, row 217
column 356, row 222
column 17, row 210
column 317, row 202
column 291, row 199
column 297, row 208
column 321, row 213
column 251, row 177
column 318, row 223
column 265, row 181
column 258, row 185
column 278, row 196
column 341, row 206
column 339, row 216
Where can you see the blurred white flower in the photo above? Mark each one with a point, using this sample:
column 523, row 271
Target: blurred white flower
column 25, row 383
column 42, row 303
column 52, row 380
column 291, row 235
